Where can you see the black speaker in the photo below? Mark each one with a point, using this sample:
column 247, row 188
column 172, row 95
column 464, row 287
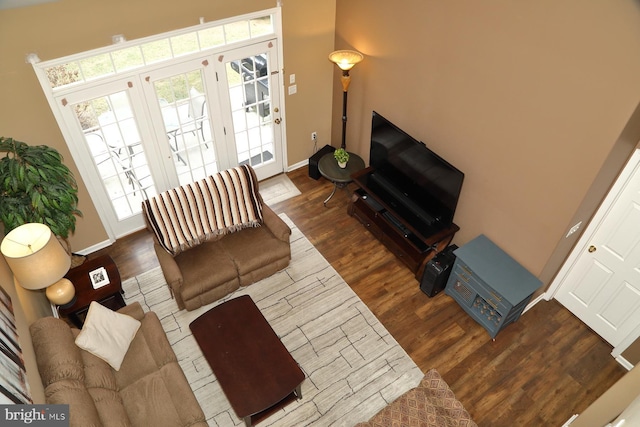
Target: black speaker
column 313, row 160
column 437, row 271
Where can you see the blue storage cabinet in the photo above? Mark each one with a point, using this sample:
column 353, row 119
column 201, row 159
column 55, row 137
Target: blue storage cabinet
column 489, row 285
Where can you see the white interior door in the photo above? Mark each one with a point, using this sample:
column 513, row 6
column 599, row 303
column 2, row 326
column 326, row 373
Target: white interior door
column 601, row 284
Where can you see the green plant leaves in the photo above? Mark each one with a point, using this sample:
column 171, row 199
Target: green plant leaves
column 36, row 186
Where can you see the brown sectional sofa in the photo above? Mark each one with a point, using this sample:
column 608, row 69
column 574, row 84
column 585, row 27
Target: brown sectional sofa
column 149, row 389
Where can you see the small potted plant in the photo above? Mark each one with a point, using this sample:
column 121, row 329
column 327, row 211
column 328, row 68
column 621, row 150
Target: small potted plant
column 342, row 157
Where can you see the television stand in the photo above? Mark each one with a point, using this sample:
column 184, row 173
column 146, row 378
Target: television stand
column 409, row 245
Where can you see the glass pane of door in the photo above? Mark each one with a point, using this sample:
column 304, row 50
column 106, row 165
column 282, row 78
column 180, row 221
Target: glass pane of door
column 253, row 104
column 112, row 137
column 182, row 100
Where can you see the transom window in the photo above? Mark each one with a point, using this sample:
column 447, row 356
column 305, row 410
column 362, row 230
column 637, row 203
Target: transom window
column 145, row 52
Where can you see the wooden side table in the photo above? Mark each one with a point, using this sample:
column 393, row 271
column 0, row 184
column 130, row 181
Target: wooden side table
column 99, row 270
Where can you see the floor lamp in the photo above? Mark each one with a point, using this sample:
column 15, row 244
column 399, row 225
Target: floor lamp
column 345, row 60
column 38, row 261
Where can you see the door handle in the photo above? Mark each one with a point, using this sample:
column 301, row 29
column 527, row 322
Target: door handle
column 277, row 121
column 592, row 249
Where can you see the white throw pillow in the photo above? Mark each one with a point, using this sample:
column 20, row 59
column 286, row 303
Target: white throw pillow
column 107, row 334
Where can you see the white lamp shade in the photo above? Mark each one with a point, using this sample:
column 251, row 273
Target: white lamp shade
column 35, row 256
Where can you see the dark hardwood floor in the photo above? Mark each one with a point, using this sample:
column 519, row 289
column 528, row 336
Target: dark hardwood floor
column 538, row 372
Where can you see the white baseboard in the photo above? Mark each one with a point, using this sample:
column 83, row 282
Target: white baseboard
column 533, row 302
column 298, row 165
column 105, row 243
column 624, row 362
column 96, row 247
column 570, row 420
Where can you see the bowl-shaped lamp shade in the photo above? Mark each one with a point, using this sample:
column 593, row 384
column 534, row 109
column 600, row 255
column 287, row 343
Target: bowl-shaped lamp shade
column 35, row 256
column 345, row 59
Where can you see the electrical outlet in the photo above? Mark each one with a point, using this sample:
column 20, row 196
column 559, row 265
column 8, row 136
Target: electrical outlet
column 314, row 136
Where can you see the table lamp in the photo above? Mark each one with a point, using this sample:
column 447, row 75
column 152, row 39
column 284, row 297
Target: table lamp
column 38, row 261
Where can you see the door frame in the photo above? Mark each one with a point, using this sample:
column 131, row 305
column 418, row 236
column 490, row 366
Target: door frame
column 630, row 168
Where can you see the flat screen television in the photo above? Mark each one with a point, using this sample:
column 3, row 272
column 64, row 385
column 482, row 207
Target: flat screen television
column 420, row 185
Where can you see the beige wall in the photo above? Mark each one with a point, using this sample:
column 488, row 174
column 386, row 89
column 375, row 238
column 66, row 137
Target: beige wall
column 527, row 98
column 309, row 29
column 69, row 26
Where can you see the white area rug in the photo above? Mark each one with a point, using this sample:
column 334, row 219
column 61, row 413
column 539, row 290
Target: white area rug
column 277, row 189
column 353, row 366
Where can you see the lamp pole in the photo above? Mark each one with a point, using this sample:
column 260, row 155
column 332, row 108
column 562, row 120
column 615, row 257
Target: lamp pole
column 346, row 79
column 345, row 60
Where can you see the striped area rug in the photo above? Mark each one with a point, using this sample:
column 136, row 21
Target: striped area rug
column 353, row 366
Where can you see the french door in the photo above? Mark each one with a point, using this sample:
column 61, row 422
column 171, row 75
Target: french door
column 251, row 106
column 172, row 125
column 110, row 142
column 219, row 112
column 187, row 125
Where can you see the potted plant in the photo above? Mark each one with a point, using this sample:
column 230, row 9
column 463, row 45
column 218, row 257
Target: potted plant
column 35, row 186
column 342, row 157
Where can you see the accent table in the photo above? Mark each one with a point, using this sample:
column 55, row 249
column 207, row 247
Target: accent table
column 341, row 177
column 255, row 370
column 109, row 295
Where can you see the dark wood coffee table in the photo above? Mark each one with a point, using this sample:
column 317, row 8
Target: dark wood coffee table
column 255, row 370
